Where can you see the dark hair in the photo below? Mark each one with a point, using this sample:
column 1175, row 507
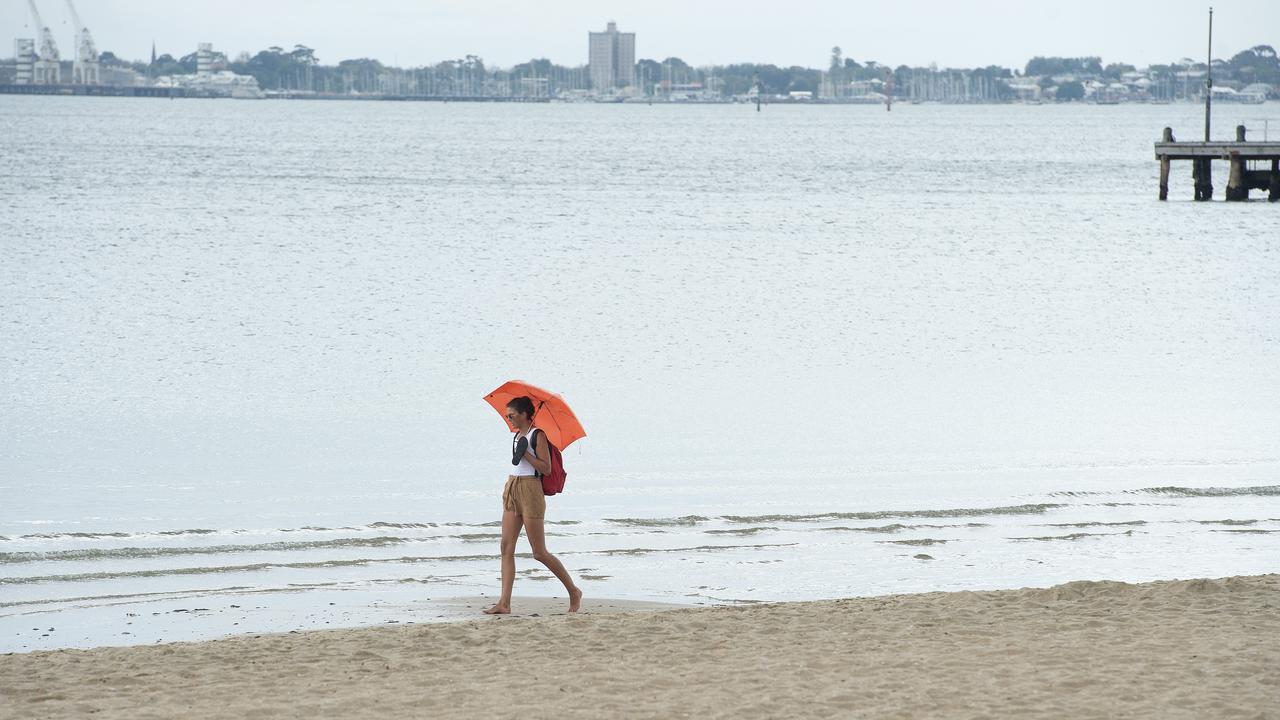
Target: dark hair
column 522, row 404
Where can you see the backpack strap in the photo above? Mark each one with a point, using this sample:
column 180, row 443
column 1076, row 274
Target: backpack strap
column 533, row 448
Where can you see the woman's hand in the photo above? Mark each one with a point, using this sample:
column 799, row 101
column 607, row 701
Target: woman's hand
column 542, row 466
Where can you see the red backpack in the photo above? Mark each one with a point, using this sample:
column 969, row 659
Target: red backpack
column 552, row 482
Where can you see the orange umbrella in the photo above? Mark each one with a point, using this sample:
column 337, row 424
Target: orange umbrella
column 551, row 413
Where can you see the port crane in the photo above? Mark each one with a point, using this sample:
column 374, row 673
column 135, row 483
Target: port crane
column 48, row 66
column 85, row 71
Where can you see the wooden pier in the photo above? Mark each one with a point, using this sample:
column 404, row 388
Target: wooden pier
column 96, row 90
column 1248, row 165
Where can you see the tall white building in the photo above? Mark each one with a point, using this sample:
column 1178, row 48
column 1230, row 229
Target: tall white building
column 204, row 59
column 24, row 52
column 612, row 58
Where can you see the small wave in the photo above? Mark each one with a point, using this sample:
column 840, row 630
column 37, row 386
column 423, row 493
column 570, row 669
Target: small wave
column 1034, row 509
column 895, row 527
column 1227, row 522
column 358, row 562
column 1097, row 524
column 427, row 580
column 1260, row 490
column 381, row 525
column 740, row 531
column 89, row 535
column 355, row 562
column 1248, row 531
column 154, row 533
column 1177, row 491
column 130, row 596
column 698, row 548
column 921, row 542
column 498, row 523
column 98, row 535
column 953, row 525
column 402, row 526
column 131, row 553
column 686, row 521
column 1074, row 536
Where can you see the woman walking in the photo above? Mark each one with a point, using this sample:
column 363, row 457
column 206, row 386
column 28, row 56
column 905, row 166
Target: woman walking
column 523, row 504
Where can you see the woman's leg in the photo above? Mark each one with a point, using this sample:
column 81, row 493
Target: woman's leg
column 535, row 530
column 510, row 534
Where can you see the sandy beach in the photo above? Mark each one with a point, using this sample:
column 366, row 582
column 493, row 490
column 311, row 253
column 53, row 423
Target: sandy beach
column 1177, row 649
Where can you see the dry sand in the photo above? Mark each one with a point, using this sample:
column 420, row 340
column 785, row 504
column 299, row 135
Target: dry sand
column 1181, row 649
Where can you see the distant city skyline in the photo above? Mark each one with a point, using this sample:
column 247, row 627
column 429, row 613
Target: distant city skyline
column 912, row 32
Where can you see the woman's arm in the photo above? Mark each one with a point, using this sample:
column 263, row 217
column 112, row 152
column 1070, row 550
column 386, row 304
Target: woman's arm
column 539, row 464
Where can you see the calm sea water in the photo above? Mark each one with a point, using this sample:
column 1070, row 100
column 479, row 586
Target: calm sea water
column 819, row 352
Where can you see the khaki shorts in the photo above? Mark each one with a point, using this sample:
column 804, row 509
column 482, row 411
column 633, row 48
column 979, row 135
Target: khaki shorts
column 523, row 496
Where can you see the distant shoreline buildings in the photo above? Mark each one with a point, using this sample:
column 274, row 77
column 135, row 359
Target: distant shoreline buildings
column 41, row 69
column 44, row 71
column 612, row 73
column 212, row 79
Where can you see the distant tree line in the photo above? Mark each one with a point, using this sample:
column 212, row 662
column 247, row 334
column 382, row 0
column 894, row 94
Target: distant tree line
column 1064, row 66
column 1257, row 64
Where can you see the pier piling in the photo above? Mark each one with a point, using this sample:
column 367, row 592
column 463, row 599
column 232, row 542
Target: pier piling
column 1237, row 188
column 1238, row 154
column 1164, row 167
column 1202, row 173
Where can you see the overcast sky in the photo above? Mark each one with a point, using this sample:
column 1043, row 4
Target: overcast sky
column 958, row 33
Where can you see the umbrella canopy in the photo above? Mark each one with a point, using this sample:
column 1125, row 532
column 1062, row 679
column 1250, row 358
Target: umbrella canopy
column 551, row 413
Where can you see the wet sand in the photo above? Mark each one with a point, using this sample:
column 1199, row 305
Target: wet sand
column 1178, row 649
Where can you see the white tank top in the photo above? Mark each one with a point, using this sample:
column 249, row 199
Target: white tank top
column 525, row 467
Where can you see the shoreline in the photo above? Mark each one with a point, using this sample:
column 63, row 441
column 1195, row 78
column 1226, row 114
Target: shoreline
column 208, row 617
column 1175, row 648
column 180, row 93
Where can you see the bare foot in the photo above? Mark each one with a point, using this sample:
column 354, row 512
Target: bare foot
column 500, row 610
column 575, row 600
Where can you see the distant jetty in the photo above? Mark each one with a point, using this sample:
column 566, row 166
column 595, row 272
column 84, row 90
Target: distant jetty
column 97, row 90
column 1248, row 165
